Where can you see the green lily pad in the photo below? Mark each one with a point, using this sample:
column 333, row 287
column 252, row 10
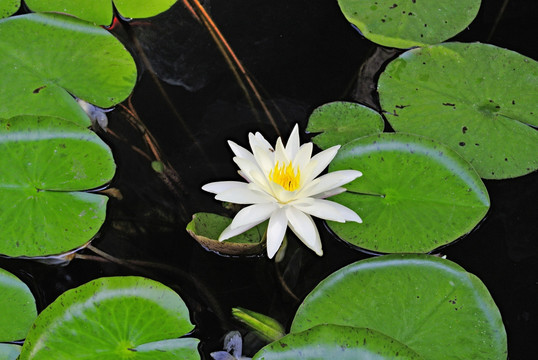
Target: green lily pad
column 113, row 318
column 17, row 308
column 9, row 351
column 476, row 98
column 142, row 8
column 9, row 7
column 408, row 23
column 414, row 196
column 336, row 342
column 430, row 304
column 340, row 122
column 100, row 11
column 266, row 327
column 206, row 229
column 45, row 162
column 62, row 57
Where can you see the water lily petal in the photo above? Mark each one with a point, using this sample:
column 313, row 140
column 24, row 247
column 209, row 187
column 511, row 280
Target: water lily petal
column 244, row 195
column 303, row 155
column 254, row 213
column 264, row 159
column 325, row 209
column 329, row 193
column 229, row 232
column 240, row 151
column 328, row 182
column 278, row 223
column 220, row 186
column 282, row 195
column 260, row 183
column 292, row 146
column 248, row 168
column 303, row 226
column 280, row 153
column 319, row 162
column 258, row 140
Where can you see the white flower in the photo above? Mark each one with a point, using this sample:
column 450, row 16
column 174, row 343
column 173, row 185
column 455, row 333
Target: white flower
column 282, row 186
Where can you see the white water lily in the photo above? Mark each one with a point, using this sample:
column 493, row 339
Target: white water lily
column 282, row 186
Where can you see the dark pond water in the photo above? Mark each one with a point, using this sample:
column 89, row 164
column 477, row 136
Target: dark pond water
column 301, row 54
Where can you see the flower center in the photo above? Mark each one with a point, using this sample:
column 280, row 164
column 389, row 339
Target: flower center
column 285, row 176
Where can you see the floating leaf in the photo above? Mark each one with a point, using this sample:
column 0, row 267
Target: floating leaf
column 113, row 318
column 431, row 305
column 44, row 161
column 475, row 98
column 17, row 309
column 404, row 24
column 142, row 8
column 206, row 229
column 340, row 122
column 100, row 11
column 336, row 342
column 265, row 326
column 414, row 196
column 9, row 351
column 9, row 7
column 62, row 57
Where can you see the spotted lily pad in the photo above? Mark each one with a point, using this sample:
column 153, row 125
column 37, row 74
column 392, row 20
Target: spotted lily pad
column 330, row 341
column 206, row 229
column 62, row 57
column 17, row 309
column 408, row 23
column 46, row 162
column 476, row 98
column 113, row 318
column 414, row 196
column 430, row 304
column 9, row 7
column 101, row 11
column 340, row 122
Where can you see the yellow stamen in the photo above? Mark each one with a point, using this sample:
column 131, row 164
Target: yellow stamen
column 285, row 176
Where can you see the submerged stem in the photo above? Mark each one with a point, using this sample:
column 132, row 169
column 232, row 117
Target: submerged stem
column 137, row 265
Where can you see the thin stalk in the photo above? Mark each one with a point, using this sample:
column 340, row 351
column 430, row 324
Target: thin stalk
column 497, row 20
column 138, row 266
column 233, row 61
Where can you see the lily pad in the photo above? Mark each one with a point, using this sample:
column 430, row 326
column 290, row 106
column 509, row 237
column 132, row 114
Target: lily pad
column 45, row 162
column 336, row 342
column 9, row 7
column 430, row 304
column 17, row 309
column 414, row 196
column 340, row 122
column 62, row 57
column 101, row 11
column 476, row 98
column 408, row 23
column 206, row 229
column 113, row 318
column 9, row 351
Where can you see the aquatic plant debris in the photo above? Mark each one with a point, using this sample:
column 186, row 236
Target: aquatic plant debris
column 233, row 344
column 282, row 187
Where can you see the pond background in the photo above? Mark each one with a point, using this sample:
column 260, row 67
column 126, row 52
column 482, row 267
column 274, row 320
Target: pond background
column 301, row 54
